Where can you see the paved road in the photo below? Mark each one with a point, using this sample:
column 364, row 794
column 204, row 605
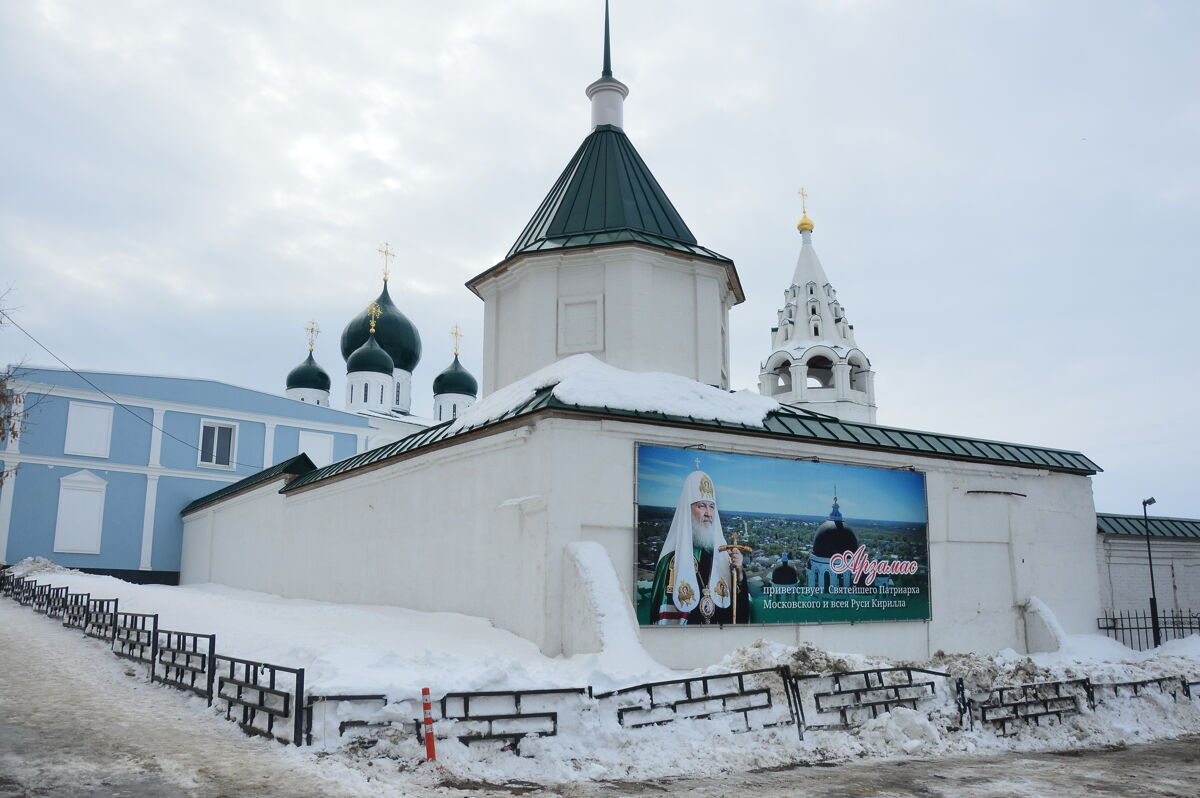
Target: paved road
column 1160, row 770
column 74, row 724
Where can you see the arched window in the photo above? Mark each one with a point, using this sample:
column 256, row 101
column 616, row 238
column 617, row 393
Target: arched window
column 858, row 374
column 782, row 383
column 820, row 372
column 365, row 389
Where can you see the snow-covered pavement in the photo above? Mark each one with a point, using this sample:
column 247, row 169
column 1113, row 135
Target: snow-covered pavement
column 73, row 714
column 75, row 720
column 74, row 724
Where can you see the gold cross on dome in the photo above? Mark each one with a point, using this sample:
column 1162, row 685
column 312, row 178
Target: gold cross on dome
column 457, row 335
column 803, row 201
column 387, row 254
column 374, row 311
column 313, row 331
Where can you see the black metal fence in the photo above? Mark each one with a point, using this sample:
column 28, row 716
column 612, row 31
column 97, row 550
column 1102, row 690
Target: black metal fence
column 186, row 661
column 270, row 700
column 1135, row 628
column 263, row 699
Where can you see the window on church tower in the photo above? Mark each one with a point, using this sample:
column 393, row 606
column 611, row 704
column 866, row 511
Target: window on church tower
column 365, row 389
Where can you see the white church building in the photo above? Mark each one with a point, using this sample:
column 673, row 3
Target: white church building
column 606, row 329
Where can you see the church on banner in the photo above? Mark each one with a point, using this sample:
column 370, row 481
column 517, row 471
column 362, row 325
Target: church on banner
column 608, row 456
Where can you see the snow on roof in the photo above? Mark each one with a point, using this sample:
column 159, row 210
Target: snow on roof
column 584, row 380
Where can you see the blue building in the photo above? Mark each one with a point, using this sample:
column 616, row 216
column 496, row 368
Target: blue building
column 95, row 479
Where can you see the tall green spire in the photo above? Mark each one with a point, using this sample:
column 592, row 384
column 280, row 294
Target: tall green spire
column 607, row 71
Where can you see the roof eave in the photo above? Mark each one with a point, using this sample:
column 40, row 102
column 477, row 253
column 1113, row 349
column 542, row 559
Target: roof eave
column 731, row 273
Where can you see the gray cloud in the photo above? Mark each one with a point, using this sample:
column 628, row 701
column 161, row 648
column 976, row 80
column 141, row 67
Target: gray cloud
column 1004, row 193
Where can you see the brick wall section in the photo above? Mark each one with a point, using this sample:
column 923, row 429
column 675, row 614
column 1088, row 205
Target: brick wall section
column 1125, row 577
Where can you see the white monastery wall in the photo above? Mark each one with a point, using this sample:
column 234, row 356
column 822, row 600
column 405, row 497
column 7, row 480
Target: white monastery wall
column 482, row 528
column 604, row 301
column 1125, row 573
column 457, row 530
column 989, row 551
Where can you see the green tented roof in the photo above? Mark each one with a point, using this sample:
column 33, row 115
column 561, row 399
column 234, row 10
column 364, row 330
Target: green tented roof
column 607, row 195
column 1160, row 527
column 605, row 187
column 786, row 422
column 300, row 464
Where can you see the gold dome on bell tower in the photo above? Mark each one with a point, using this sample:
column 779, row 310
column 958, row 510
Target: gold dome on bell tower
column 805, row 225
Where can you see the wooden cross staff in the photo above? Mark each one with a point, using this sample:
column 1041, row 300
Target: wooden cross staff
column 733, row 571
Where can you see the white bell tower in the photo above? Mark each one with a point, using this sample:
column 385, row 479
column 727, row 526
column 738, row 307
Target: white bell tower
column 814, row 362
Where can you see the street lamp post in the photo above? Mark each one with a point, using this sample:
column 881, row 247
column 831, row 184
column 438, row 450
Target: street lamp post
column 1150, row 558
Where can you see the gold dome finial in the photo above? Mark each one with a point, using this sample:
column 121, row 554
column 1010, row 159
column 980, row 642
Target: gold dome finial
column 313, row 331
column 457, row 335
column 374, row 311
column 805, row 224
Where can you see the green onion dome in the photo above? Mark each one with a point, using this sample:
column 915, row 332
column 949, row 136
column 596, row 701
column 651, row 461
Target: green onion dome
column 394, row 332
column 308, row 375
column 369, row 357
column 455, row 379
column 834, row 536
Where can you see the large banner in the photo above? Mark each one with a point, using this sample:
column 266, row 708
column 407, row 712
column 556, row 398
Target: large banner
column 730, row 538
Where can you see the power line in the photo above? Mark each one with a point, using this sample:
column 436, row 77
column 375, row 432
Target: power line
column 100, row 390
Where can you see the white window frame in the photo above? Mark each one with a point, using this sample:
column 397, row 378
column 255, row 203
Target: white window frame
column 80, row 416
column 80, row 483
column 233, row 441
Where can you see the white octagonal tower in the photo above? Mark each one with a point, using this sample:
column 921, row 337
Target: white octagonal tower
column 607, row 266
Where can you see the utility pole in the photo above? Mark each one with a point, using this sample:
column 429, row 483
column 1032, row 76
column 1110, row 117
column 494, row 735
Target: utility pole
column 1150, row 558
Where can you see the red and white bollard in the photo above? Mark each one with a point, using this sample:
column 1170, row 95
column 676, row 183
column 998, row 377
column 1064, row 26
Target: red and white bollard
column 430, row 750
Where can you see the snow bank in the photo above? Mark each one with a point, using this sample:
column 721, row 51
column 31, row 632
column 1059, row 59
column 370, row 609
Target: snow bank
column 374, row 649
column 584, row 380
column 35, row 566
column 621, row 651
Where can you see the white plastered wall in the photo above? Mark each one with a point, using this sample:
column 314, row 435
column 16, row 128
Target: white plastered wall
column 640, row 294
column 481, row 528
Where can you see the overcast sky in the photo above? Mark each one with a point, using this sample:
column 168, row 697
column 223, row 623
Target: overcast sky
column 1006, row 194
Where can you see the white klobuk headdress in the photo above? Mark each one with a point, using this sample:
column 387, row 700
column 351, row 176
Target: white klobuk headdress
column 686, row 590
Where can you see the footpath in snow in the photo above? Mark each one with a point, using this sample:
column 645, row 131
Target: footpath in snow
column 395, row 652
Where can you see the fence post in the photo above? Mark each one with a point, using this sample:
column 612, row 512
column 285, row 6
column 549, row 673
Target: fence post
column 212, row 667
column 298, row 731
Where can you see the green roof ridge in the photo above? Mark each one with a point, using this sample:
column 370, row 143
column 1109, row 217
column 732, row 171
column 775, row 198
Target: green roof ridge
column 786, row 421
column 295, row 466
column 1161, row 526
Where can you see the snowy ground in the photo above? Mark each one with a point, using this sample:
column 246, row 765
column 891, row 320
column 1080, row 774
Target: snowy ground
column 394, row 651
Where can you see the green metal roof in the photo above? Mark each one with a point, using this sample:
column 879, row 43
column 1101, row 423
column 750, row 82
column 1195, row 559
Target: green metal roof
column 606, row 186
column 607, row 189
column 300, row 464
column 1160, row 527
column 786, row 422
